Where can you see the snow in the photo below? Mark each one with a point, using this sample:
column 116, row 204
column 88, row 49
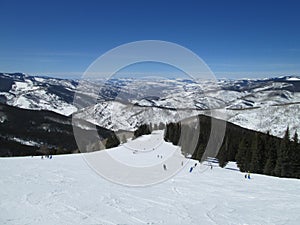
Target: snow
column 274, row 119
column 65, row 190
column 22, row 102
column 144, row 150
column 261, row 106
column 24, row 142
column 39, row 79
column 293, row 79
column 21, row 86
column 138, row 162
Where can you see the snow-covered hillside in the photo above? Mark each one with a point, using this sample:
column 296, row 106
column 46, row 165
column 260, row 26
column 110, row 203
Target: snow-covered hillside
column 38, row 93
column 261, row 104
column 65, row 190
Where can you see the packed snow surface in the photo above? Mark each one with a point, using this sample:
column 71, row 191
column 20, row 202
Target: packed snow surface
column 65, row 190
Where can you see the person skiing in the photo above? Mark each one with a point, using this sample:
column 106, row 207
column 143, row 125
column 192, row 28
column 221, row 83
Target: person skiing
column 248, row 174
column 165, row 167
column 191, row 169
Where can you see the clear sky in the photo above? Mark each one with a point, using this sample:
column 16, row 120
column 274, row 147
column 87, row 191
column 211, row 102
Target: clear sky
column 235, row 38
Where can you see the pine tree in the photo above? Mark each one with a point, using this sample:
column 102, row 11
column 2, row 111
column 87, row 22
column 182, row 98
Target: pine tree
column 296, row 161
column 295, row 154
column 287, row 157
column 222, row 154
column 281, row 162
column 271, row 156
column 143, row 129
column 112, row 141
column 295, row 138
column 254, row 165
column 241, row 155
column 258, row 154
column 161, row 126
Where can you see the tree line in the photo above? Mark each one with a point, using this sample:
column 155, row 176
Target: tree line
column 253, row 151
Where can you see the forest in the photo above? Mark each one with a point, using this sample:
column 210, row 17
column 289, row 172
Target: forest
column 253, row 151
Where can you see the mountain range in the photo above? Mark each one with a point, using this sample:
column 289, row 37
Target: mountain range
column 266, row 105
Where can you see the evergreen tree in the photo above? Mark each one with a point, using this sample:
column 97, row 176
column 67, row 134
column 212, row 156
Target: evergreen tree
column 231, row 146
column 161, row 126
column 271, row 146
column 222, row 154
column 258, row 154
column 282, row 156
column 255, row 155
column 295, row 138
column 241, row 155
column 295, row 157
column 287, row 157
column 296, row 161
column 143, row 129
column 112, row 142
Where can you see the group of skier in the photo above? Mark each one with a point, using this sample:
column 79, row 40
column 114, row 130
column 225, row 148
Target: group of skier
column 247, row 175
column 191, row 168
column 46, row 157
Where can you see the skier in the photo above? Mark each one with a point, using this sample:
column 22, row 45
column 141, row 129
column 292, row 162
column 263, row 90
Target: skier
column 211, row 167
column 50, row 157
column 248, row 174
column 165, row 167
column 195, row 164
column 191, row 169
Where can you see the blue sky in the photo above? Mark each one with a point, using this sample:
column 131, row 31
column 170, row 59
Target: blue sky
column 235, row 38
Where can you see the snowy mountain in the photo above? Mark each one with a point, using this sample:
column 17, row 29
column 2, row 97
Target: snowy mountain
column 65, row 190
column 26, row 132
column 37, row 93
column 259, row 104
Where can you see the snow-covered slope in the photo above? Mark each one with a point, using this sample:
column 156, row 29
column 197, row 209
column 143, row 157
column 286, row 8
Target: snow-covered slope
column 65, row 190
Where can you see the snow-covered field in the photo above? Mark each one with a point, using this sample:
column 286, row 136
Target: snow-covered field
column 65, row 190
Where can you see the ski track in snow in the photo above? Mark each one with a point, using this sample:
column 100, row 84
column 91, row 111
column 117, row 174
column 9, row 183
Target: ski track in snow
column 64, row 190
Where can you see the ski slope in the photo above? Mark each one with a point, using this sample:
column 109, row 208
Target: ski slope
column 65, row 190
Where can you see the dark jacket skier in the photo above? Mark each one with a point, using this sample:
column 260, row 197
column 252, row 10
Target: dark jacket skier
column 165, row 167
